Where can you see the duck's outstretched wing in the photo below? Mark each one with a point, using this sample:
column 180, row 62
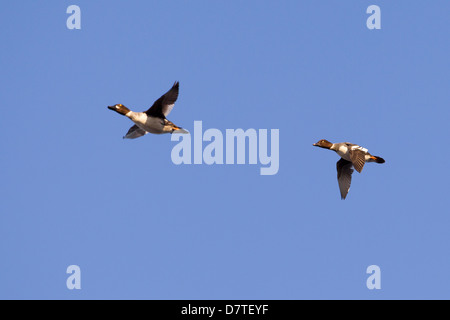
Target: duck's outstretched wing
column 135, row 132
column 344, row 175
column 358, row 157
column 162, row 107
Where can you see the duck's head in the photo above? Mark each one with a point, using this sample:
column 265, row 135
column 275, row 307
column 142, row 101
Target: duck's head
column 119, row 108
column 323, row 144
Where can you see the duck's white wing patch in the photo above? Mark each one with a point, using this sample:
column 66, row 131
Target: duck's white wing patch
column 356, row 147
column 167, row 108
column 344, row 175
column 135, row 132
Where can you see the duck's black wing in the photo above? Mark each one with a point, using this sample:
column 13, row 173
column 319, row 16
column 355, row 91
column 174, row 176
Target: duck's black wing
column 162, row 107
column 135, row 132
column 344, row 175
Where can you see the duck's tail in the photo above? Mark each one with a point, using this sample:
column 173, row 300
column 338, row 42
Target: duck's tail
column 377, row 159
column 179, row 130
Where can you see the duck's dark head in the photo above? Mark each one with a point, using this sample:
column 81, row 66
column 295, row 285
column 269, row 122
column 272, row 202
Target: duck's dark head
column 119, row 108
column 323, row 144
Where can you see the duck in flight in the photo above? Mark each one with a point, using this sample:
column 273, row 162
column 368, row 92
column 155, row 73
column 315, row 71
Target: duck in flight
column 352, row 156
column 154, row 119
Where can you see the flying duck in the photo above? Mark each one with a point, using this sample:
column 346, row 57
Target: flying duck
column 352, row 156
column 154, row 119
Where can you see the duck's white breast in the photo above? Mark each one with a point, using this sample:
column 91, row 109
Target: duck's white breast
column 342, row 151
column 149, row 124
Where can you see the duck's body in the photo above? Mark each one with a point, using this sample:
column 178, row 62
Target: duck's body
column 151, row 124
column 352, row 156
column 154, row 119
column 345, row 150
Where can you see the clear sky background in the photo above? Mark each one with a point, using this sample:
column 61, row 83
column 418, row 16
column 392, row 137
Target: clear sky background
column 72, row 191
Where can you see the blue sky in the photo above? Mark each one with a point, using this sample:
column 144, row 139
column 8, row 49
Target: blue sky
column 73, row 192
